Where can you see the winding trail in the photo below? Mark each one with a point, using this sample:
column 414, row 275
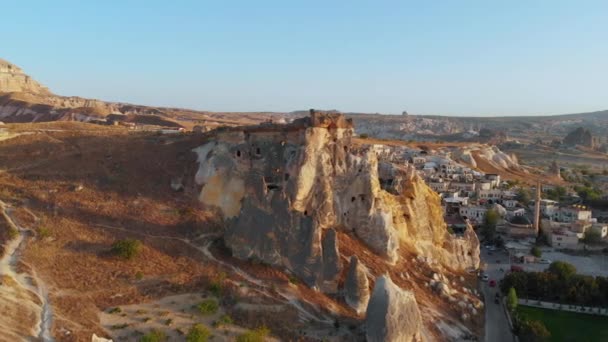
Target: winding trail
column 26, row 282
column 285, row 293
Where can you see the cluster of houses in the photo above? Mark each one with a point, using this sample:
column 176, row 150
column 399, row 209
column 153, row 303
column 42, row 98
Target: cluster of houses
column 467, row 195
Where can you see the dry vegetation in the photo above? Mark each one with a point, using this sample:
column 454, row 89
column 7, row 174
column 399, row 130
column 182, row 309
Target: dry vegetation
column 91, row 186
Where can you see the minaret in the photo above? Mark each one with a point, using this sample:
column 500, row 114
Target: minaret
column 537, row 208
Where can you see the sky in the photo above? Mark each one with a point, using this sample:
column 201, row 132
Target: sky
column 426, row 57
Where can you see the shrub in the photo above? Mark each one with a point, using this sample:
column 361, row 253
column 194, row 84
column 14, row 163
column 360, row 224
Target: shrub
column 257, row 335
column 44, row 232
column 208, row 307
column 198, row 333
column 536, row 252
column 363, row 136
column 216, row 285
column 127, row 248
column 12, row 233
column 115, row 310
column 154, row 336
column 533, row 331
column 224, row 319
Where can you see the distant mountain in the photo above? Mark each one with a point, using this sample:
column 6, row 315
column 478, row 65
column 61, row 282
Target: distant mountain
column 22, row 99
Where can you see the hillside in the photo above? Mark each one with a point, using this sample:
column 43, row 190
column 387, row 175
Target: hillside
column 72, row 190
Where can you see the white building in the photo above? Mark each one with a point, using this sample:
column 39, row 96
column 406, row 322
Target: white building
column 474, row 213
column 572, row 214
column 564, row 239
column 490, row 195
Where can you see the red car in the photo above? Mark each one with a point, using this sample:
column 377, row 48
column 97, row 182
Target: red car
column 492, row 283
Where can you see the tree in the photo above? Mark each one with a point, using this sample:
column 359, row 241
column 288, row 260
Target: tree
column 592, row 236
column 523, row 196
column 536, row 252
column 557, row 193
column 127, row 248
column 562, row 270
column 489, row 224
column 533, row 331
column 512, row 300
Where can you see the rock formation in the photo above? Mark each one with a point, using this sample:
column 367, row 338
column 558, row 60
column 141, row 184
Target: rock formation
column 356, row 286
column 392, row 314
column 280, row 187
column 579, row 136
column 12, row 79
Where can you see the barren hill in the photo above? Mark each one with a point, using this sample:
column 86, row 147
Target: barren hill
column 312, row 251
column 22, row 99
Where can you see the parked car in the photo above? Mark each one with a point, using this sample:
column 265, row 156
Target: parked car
column 492, row 283
column 485, row 277
column 515, row 268
column 544, row 261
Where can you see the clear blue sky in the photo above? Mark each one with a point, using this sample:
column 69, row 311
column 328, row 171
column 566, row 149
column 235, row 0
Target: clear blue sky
column 426, row 57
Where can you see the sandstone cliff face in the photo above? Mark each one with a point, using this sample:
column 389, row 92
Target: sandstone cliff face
column 285, row 190
column 356, row 287
column 392, row 314
column 12, row 79
column 280, row 188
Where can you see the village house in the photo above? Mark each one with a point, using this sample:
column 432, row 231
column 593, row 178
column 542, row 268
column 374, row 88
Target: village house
column 572, row 214
column 475, row 214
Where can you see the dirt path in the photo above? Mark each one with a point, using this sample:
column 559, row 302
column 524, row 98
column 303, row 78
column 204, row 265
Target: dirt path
column 22, row 293
column 285, row 293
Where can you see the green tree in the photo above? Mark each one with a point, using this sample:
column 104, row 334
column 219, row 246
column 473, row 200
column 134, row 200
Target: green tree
column 490, row 221
column 127, row 248
column 536, row 252
column 533, row 331
column 562, row 270
column 557, row 193
column 512, row 300
column 592, row 236
column 198, row 333
column 523, row 196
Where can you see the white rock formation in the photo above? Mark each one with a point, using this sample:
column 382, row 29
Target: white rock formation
column 392, row 314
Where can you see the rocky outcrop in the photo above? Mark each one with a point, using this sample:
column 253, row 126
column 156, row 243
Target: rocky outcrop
column 356, row 286
column 392, row 314
column 280, row 188
column 13, row 79
column 579, row 136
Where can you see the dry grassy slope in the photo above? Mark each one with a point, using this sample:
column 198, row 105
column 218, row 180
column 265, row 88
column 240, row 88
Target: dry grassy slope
column 125, row 179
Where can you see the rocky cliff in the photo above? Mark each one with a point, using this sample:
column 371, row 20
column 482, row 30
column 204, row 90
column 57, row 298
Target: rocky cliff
column 285, row 191
column 13, row 79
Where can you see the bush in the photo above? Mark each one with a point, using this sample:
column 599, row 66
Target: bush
column 216, row 286
column 12, row 233
column 224, row 319
column 43, row 232
column 363, row 136
column 198, row 333
column 536, row 252
column 533, row 331
column 154, row 336
column 127, row 248
column 208, row 307
column 257, row 335
column 512, row 300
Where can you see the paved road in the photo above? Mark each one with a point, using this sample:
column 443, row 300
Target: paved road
column 497, row 327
